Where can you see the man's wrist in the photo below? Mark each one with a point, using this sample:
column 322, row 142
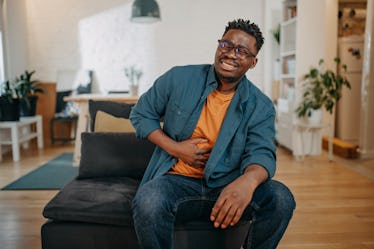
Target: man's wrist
column 159, row 138
column 255, row 174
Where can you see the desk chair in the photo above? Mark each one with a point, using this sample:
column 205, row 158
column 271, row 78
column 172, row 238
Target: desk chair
column 63, row 116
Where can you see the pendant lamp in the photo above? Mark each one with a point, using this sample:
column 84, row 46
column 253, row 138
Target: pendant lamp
column 145, row 11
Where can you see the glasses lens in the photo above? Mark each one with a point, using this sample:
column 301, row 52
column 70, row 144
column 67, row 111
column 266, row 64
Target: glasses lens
column 225, row 45
column 242, row 52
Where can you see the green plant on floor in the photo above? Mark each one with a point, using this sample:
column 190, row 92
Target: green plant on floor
column 322, row 88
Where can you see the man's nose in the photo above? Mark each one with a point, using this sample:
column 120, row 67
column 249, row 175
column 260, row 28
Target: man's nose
column 232, row 53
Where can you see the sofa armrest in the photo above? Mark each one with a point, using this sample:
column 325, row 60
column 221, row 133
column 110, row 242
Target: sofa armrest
column 107, row 154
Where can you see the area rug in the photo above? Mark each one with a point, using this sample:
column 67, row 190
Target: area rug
column 53, row 175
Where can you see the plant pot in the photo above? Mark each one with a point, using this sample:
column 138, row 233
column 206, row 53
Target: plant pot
column 28, row 106
column 9, row 111
column 315, row 117
column 134, row 90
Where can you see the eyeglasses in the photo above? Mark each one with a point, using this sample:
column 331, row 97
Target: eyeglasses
column 240, row 51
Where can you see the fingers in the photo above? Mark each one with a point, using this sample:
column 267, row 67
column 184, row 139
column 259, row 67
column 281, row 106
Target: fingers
column 200, row 161
column 219, row 213
column 190, row 153
column 226, row 216
column 201, row 157
column 199, row 140
column 215, row 212
column 226, row 212
column 205, row 152
column 236, row 217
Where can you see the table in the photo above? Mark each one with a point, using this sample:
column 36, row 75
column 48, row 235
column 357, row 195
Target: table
column 81, row 101
column 301, row 128
column 18, row 137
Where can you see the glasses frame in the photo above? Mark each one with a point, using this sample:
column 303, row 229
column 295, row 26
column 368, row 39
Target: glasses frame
column 236, row 48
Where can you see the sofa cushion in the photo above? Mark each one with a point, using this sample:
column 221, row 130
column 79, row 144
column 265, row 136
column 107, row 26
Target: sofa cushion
column 121, row 110
column 100, row 200
column 105, row 122
column 105, row 154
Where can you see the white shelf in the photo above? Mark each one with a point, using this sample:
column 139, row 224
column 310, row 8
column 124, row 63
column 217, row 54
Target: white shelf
column 289, row 22
column 288, row 53
column 287, row 76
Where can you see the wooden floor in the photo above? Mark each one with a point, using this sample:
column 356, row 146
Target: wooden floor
column 335, row 202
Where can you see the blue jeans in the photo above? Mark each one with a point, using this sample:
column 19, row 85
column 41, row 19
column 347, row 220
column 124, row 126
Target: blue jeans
column 156, row 204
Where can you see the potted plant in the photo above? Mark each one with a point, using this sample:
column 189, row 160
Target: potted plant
column 9, row 103
column 322, row 89
column 133, row 75
column 26, row 90
column 276, row 34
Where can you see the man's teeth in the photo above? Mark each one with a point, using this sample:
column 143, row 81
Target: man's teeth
column 227, row 65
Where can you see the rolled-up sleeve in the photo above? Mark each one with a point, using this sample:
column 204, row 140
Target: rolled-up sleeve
column 260, row 147
column 146, row 114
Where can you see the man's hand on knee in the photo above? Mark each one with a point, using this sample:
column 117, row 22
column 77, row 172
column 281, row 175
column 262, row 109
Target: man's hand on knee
column 231, row 203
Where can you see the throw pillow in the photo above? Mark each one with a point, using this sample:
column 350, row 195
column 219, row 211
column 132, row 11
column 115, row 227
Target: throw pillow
column 105, row 154
column 120, row 110
column 105, row 122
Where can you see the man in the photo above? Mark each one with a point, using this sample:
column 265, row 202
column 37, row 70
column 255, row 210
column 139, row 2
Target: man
column 215, row 149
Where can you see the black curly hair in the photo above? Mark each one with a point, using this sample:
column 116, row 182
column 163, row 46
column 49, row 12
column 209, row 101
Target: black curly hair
column 248, row 27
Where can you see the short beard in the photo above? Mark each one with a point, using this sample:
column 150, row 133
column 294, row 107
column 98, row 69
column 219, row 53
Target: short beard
column 227, row 80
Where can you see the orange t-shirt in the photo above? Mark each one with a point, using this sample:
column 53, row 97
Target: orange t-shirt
column 207, row 127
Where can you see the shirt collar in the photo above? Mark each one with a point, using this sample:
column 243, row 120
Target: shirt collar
column 211, row 79
column 243, row 86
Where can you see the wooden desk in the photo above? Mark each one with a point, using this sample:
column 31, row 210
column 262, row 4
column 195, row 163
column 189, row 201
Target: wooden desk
column 83, row 119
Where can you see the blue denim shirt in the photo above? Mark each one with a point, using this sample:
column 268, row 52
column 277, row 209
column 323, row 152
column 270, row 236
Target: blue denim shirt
column 177, row 97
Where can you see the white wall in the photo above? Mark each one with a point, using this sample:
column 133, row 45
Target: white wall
column 98, row 35
column 319, row 41
column 367, row 90
column 271, row 50
column 15, row 37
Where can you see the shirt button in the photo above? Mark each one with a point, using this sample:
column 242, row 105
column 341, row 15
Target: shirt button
column 179, row 112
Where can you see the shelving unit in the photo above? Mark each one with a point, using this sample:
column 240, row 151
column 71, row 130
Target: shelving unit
column 308, row 34
column 288, row 74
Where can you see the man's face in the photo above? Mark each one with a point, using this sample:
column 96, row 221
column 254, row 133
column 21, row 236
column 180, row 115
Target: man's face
column 232, row 64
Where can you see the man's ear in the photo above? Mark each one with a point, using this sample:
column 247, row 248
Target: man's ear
column 254, row 62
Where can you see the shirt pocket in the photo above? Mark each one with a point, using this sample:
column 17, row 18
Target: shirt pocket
column 235, row 151
column 175, row 118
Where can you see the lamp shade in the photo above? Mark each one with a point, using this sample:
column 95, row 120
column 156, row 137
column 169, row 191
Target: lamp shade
column 145, row 11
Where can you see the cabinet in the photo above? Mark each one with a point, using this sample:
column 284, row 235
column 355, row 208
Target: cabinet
column 351, row 52
column 308, row 33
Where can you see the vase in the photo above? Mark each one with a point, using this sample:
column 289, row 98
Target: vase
column 134, row 90
column 315, row 117
column 9, row 110
column 28, row 107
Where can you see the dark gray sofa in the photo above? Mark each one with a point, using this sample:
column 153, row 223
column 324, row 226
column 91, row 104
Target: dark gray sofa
column 94, row 210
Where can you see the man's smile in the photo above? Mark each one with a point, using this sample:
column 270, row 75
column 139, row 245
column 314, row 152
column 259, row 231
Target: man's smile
column 228, row 65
